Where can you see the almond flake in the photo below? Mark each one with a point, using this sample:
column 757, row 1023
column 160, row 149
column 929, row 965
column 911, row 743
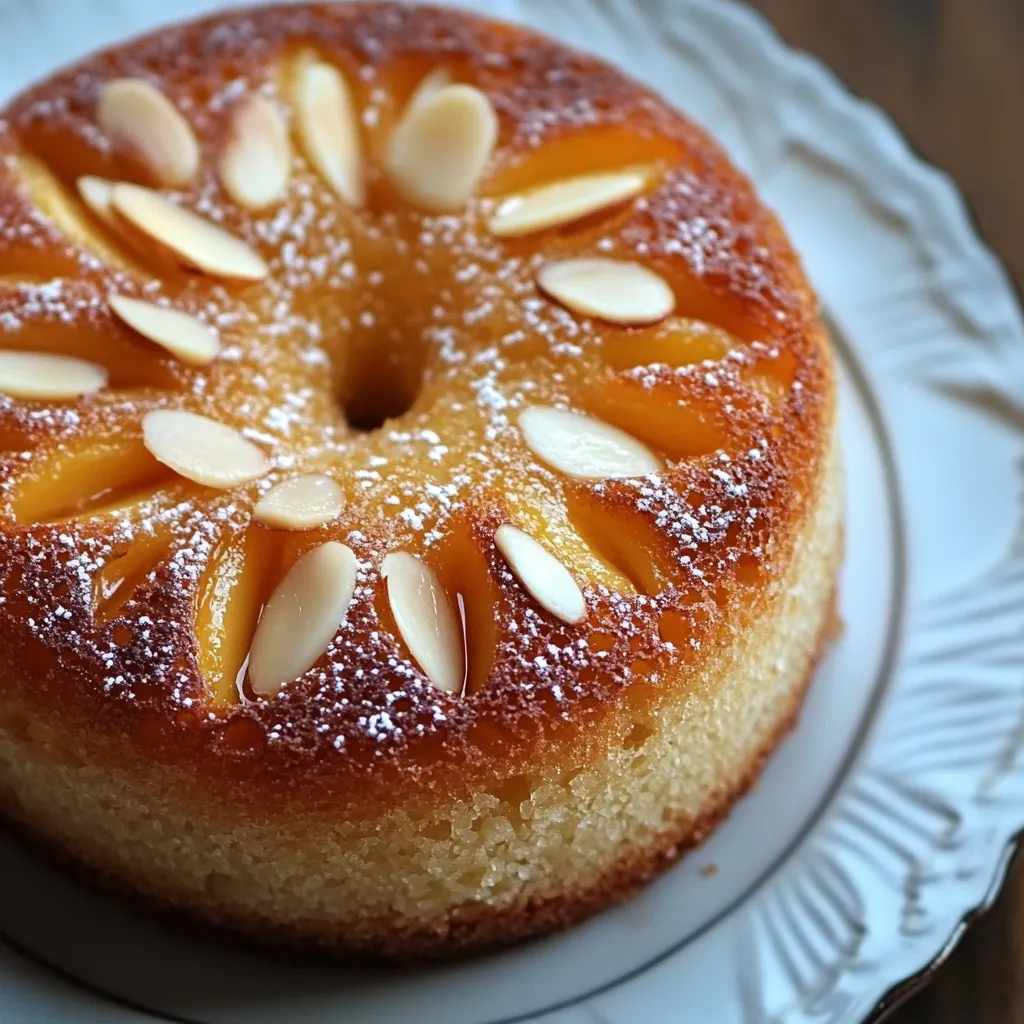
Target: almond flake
column 429, row 84
column 201, row 449
column 257, row 161
column 142, row 121
column 96, row 193
column 188, row 238
column 563, row 202
column 302, row 617
column 301, row 503
column 584, row 447
column 543, row 575
column 183, row 335
column 620, row 291
column 425, row 619
column 441, row 146
column 41, row 375
column 328, row 128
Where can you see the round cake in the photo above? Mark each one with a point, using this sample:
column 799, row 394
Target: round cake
column 421, row 496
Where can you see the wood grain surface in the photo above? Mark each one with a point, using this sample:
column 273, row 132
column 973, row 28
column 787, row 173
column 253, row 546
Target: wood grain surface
column 951, row 74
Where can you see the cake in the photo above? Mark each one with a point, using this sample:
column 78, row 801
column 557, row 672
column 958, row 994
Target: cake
column 421, row 492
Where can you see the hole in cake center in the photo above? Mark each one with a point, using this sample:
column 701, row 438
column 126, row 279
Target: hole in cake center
column 379, row 386
column 369, row 408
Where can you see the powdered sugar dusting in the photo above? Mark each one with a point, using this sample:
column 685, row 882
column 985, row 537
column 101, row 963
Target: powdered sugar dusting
column 428, row 331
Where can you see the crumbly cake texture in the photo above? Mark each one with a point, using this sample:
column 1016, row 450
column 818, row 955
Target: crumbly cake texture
column 361, row 809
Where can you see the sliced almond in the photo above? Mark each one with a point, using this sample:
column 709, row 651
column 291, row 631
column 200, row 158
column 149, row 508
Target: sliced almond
column 543, row 575
column 201, row 449
column 301, row 503
column 96, row 193
column 584, row 447
column 143, row 122
column 45, row 376
column 329, row 129
column 440, row 148
column 429, row 84
column 186, row 237
column 425, row 619
column 563, row 202
column 620, row 291
column 302, row 617
column 183, row 335
column 257, row 160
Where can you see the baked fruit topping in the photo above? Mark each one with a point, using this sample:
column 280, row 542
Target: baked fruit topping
column 420, row 483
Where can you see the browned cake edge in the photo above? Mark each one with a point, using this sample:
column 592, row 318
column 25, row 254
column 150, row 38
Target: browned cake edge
column 468, row 935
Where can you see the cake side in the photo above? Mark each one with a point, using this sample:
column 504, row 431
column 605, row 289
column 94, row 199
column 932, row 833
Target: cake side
column 539, row 853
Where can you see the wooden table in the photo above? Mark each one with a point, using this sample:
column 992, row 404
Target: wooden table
column 951, row 73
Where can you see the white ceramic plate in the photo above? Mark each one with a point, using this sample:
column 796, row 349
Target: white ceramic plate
column 888, row 818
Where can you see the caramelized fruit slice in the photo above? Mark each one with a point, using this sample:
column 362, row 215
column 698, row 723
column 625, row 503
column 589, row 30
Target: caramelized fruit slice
column 772, row 372
column 120, row 577
column 622, row 537
column 67, row 215
column 546, row 519
column 230, row 599
column 698, row 297
column 119, row 356
column 581, row 151
column 649, row 407
column 465, row 576
column 73, row 480
column 676, row 342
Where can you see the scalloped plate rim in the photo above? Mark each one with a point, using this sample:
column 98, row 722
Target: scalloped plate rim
column 959, row 243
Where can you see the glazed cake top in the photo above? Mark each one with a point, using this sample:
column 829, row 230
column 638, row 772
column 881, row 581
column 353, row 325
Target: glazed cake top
column 388, row 337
